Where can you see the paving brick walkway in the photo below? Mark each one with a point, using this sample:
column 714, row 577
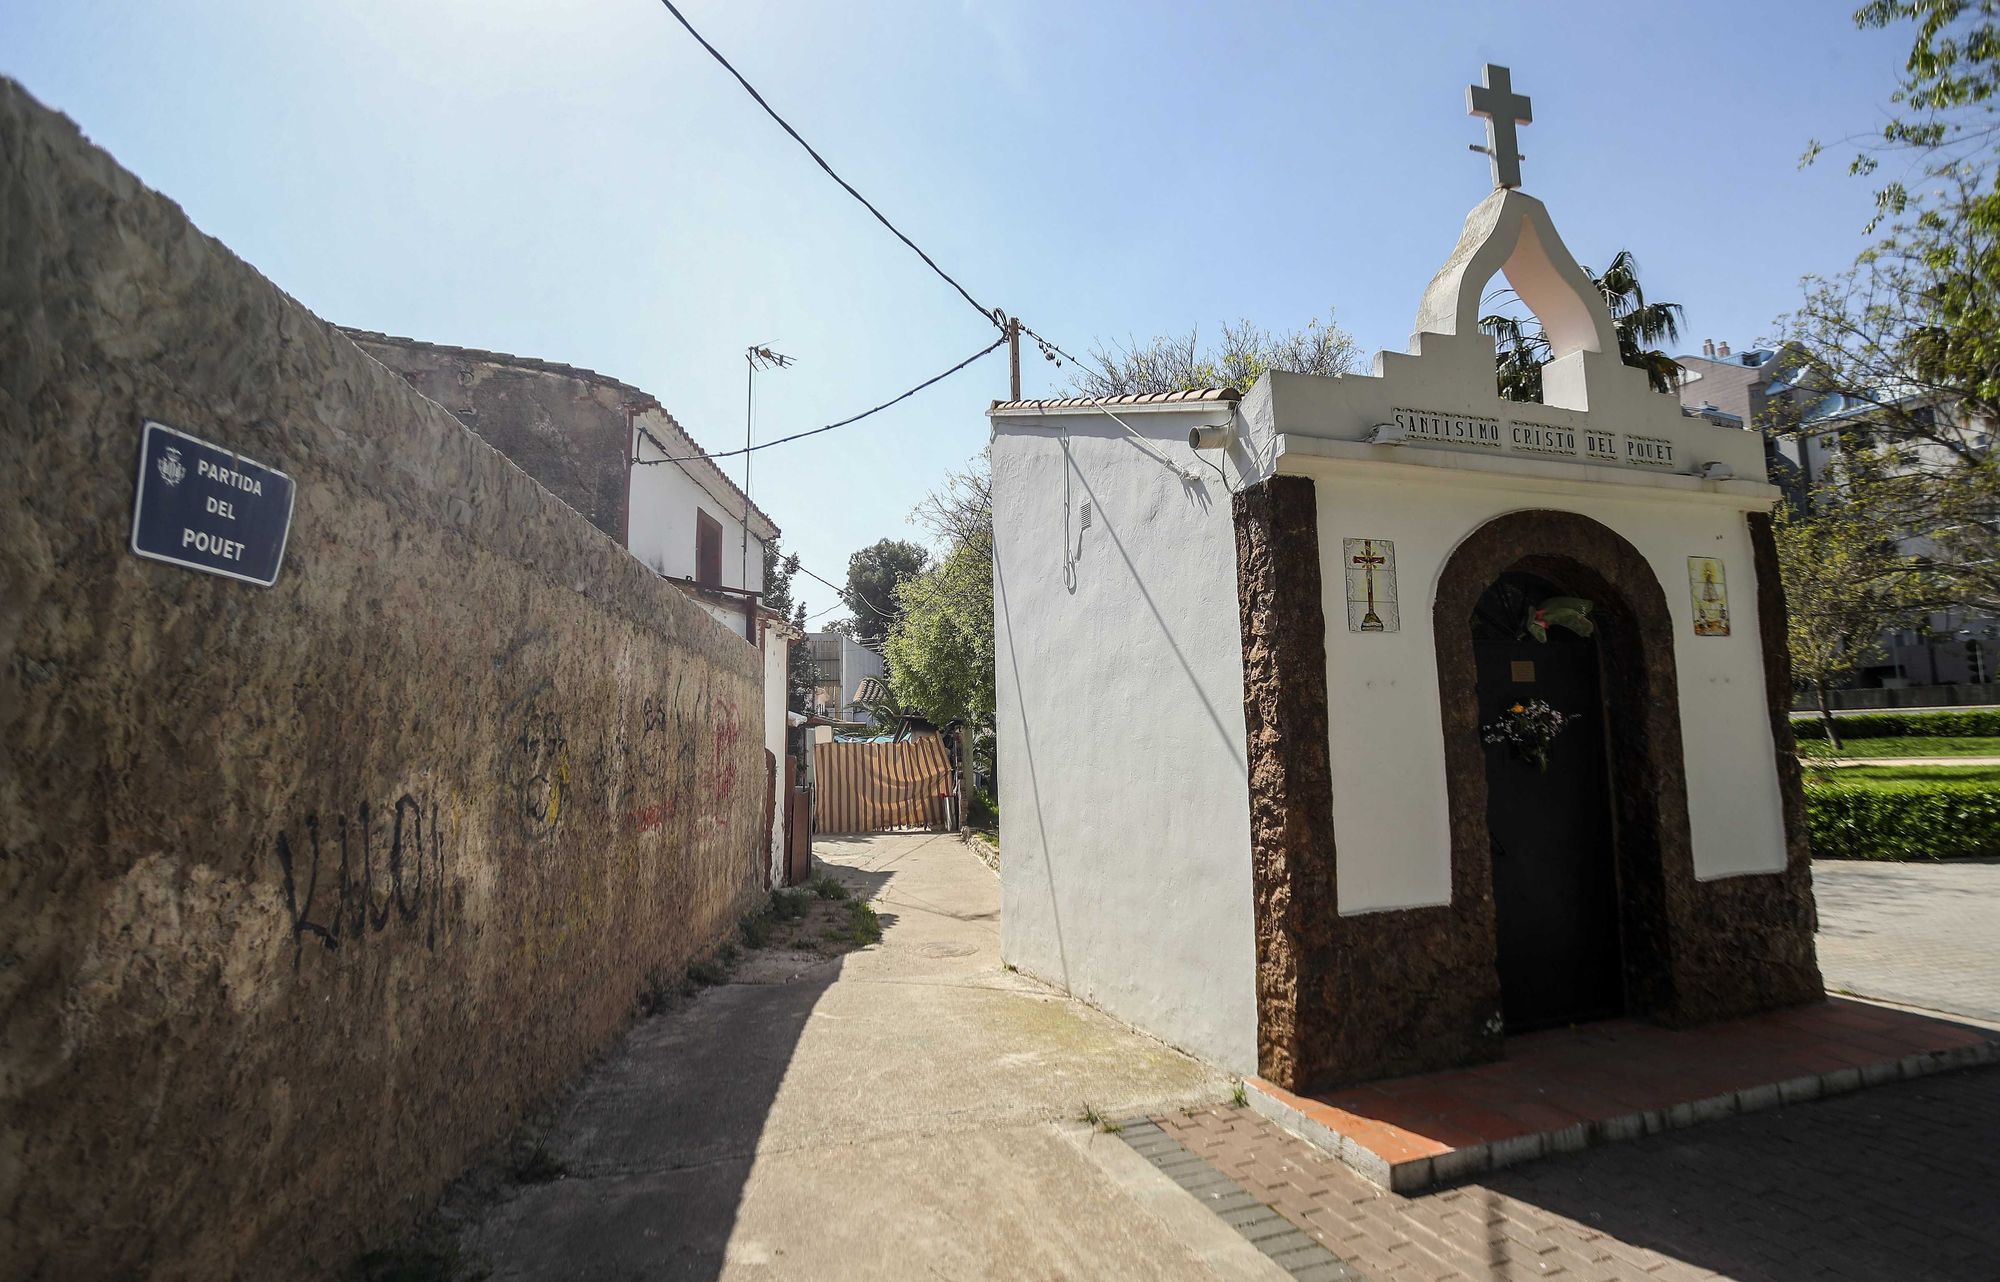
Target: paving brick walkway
column 1920, row 934
column 1898, row 1182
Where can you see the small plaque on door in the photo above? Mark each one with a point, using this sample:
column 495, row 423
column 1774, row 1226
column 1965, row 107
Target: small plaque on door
column 1524, row 671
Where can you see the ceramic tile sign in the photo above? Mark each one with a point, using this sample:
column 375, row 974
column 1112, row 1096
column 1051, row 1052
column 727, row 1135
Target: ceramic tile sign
column 1371, row 585
column 205, row 508
column 1710, row 593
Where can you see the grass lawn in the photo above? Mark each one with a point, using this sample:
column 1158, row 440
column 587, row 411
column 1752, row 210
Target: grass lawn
column 1906, row 746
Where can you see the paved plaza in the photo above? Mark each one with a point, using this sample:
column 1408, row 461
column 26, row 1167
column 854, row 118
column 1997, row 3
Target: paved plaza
column 1897, row 1182
column 915, row 1110
column 1925, row 935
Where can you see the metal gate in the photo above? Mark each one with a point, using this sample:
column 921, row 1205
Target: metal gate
column 879, row 787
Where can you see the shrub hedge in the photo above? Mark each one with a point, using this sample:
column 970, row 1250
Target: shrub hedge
column 1898, row 725
column 1926, row 818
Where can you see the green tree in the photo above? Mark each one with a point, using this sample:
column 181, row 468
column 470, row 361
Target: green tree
column 872, row 576
column 940, row 651
column 1179, row 363
column 801, row 670
column 778, row 572
column 1907, row 341
column 1846, row 582
column 1522, row 349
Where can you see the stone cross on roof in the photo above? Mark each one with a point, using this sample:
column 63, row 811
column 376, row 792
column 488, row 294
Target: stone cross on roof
column 1503, row 109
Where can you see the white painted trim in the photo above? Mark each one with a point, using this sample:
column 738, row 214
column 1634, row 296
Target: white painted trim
column 1311, row 455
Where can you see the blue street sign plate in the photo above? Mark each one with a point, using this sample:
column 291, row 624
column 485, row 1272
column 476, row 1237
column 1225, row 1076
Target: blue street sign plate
column 205, row 508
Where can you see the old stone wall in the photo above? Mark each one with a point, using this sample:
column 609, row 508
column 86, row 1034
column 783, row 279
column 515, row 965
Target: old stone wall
column 306, row 893
column 568, row 428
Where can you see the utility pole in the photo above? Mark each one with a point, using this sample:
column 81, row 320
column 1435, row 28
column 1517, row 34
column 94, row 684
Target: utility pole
column 1012, row 327
column 1014, row 357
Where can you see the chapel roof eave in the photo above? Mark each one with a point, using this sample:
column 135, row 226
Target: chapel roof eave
column 1195, row 399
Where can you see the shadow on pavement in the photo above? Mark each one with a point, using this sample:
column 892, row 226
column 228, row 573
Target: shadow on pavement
column 1899, row 1181
column 660, row 1138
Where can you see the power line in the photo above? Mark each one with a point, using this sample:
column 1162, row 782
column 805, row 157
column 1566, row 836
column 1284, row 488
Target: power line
column 820, row 160
column 1049, row 349
column 799, row 436
column 821, row 614
column 849, row 598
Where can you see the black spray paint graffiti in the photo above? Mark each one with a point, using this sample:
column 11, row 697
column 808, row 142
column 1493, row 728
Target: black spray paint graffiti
column 413, row 868
column 537, row 764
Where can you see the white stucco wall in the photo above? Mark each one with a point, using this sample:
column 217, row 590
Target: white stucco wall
column 1391, row 820
column 665, row 497
column 776, row 654
column 1123, row 788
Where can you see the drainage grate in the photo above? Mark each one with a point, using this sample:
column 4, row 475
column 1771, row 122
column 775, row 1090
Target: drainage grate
column 1270, row 1232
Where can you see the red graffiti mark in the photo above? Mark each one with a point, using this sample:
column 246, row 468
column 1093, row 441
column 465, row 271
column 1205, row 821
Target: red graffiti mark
column 647, row 818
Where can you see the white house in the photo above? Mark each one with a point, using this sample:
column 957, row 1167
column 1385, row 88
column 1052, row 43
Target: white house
column 693, row 524
column 1271, row 700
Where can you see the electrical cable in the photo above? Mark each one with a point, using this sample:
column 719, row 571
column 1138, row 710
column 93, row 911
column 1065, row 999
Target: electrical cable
column 984, row 311
column 1050, row 350
column 799, row 436
column 848, row 598
column 1146, row 446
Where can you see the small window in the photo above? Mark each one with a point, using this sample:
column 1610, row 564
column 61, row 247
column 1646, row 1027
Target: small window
column 707, row 550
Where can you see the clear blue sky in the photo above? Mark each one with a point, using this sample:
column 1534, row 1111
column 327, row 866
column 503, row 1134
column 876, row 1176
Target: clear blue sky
column 577, row 181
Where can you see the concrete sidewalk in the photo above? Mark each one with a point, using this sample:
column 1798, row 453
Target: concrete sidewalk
column 907, row 1110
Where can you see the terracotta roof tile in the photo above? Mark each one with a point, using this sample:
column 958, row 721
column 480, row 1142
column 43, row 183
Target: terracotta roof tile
column 1141, row 398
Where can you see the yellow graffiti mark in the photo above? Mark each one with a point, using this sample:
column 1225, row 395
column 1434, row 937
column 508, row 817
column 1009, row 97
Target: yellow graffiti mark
column 558, row 784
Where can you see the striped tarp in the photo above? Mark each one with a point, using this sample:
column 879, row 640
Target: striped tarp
column 876, row 787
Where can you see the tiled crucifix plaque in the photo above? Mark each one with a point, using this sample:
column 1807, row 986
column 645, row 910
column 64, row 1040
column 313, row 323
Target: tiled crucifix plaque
column 1371, row 585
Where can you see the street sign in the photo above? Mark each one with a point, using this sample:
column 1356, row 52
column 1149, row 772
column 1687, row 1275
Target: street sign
column 205, row 508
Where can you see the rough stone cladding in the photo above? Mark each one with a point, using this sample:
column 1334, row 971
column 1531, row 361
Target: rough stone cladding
column 1340, row 999
column 306, row 893
column 566, row 428
column 1380, row 994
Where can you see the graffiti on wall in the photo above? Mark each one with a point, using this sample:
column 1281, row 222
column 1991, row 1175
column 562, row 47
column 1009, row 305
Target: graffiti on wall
column 346, row 897
column 677, row 779
column 537, row 763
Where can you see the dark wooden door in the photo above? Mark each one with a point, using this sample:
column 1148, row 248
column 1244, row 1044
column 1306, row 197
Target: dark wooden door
column 1555, row 886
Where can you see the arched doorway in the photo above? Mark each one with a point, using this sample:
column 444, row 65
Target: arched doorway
column 1543, row 723
column 1574, row 864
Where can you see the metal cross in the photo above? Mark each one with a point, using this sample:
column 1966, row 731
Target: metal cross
column 1503, row 109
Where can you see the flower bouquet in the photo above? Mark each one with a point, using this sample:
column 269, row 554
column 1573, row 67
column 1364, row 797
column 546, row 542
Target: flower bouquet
column 1528, row 729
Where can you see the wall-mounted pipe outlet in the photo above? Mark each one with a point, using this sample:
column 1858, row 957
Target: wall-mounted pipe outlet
column 1217, row 437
